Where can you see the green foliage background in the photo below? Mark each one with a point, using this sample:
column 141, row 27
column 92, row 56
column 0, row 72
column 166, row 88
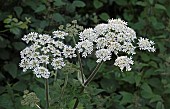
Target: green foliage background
column 147, row 86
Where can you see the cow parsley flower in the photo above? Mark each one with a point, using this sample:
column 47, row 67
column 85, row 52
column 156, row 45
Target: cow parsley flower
column 60, row 34
column 30, row 37
column 41, row 72
column 103, row 55
column 145, row 44
column 88, row 34
column 85, row 47
column 45, row 50
column 58, row 63
column 69, row 52
column 124, row 62
column 101, row 29
column 101, row 43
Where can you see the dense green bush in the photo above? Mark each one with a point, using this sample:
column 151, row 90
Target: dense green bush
column 147, row 86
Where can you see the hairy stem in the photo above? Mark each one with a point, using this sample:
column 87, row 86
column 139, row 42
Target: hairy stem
column 47, row 93
column 89, row 79
column 80, row 62
column 37, row 106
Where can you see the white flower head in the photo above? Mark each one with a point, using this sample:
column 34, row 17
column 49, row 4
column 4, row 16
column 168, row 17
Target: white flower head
column 30, row 37
column 101, row 43
column 145, row 44
column 41, row 72
column 88, row 34
column 101, row 29
column 128, row 48
column 117, row 21
column 60, row 34
column 115, row 47
column 103, row 55
column 69, row 52
column 58, row 63
column 85, row 47
column 124, row 62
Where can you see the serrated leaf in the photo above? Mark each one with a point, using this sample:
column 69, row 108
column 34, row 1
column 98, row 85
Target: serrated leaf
column 40, row 8
column 146, row 88
column 59, row 3
column 19, row 86
column 15, row 30
column 145, row 57
column 11, row 68
column 78, row 3
column 18, row 45
column 18, row 10
column 138, row 79
column 160, row 105
column 104, row 16
column 121, row 2
column 140, row 3
column 6, row 102
column 159, row 6
column 58, row 17
column 156, row 98
column 127, row 98
column 97, row 4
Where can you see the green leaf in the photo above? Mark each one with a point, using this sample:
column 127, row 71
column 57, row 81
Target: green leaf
column 153, row 63
column 159, row 6
column 91, row 64
column 138, row 79
column 146, row 88
column 19, row 86
column 59, row 3
column 78, row 3
column 12, row 69
column 127, row 98
column 97, row 4
column 109, row 85
column 58, row 17
column 18, row 45
column 4, row 55
column 40, row 8
column 156, row 98
column 160, row 105
column 151, row 1
column 104, row 16
column 18, row 10
column 145, row 57
column 140, row 3
column 121, row 2
column 7, row 20
column 15, row 30
column 6, row 102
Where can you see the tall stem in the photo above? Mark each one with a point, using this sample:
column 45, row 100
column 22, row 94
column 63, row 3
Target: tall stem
column 80, row 62
column 89, row 79
column 47, row 93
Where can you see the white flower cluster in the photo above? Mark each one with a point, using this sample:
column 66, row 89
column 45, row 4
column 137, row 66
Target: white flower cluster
column 43, row 51
column 113, row 37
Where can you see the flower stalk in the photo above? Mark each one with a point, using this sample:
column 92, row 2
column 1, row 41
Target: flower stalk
column 47, row 93
column 89, row 79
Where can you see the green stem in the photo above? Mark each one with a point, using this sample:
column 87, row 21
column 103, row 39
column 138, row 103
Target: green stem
column 80, row 62
column 4, row 31
column 47, row 93
column 37, row 106
column 89, row 79
column 63, row 88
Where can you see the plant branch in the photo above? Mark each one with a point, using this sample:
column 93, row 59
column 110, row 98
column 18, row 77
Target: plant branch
column 89, row 79
column 80, row 62
column 47, row 93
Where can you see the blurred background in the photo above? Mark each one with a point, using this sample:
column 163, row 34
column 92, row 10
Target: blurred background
column 147, row 86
